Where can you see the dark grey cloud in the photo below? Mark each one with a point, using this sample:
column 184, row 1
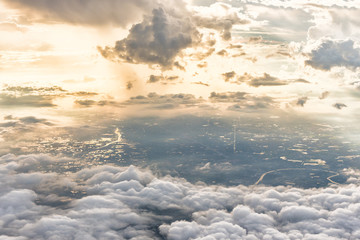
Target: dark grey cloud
column 20, row 96
column 164, row 101
column 82, row 94
column 11, row 100
column 54, row 91
column 129, row 203
column 254, row 102
column 228, row 76
column 265, row 80
column 331, row 53
column 20, row 89
column 92, row 103
column 162, row 79
column 24, row 121
column 89, row 12
column 242, row 100
column 339, row 105
column 157, row 40
column 34, row 120
column 161, row 37
column 228, row 96
column 301, row 101
column 201, row 83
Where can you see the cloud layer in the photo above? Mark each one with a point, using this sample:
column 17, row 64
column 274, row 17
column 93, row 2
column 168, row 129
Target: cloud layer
column 90, row 12
column 115, row 203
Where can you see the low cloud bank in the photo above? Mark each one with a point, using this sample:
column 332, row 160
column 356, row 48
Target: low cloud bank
column 39, row 199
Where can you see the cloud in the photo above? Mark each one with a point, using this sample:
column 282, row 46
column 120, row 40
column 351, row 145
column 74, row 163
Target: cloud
column 9, row 100
column 15, row 128
column 90, row 12
column 11, row 26
column 162, row 79
column 301, row 101
column 40, row 199
column 283, row 23
column 324, row 95
column 300, row 80
column 222, row 52
column 91, row 103
column 335, row 22
column 331, row 53
column 164, row 101
column 34, row 120
column 26, row 90
column 29, row 96
column 157, row 40
column 227, row 96
column 243, row 100
column 228, row 75
column 339, row 105
column 201, row 83
column 265, row 80
column 219, row 16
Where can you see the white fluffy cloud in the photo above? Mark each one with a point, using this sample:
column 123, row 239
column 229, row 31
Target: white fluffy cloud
column 117, row 203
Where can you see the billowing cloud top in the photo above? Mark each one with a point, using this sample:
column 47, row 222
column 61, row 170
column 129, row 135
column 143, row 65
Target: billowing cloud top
column 157, row 40
column 115, row 203
column 335, row 54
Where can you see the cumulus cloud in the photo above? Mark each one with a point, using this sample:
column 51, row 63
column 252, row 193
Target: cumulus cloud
column 158, row 39
column 331, row 53
column 107, row 202
column 219, row 16
column 163, row 35
column 90, row 12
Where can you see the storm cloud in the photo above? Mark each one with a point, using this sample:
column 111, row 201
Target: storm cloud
column 158, row 39
column 107, row 202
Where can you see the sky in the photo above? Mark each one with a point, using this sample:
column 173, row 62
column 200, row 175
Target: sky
column 189, row 119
